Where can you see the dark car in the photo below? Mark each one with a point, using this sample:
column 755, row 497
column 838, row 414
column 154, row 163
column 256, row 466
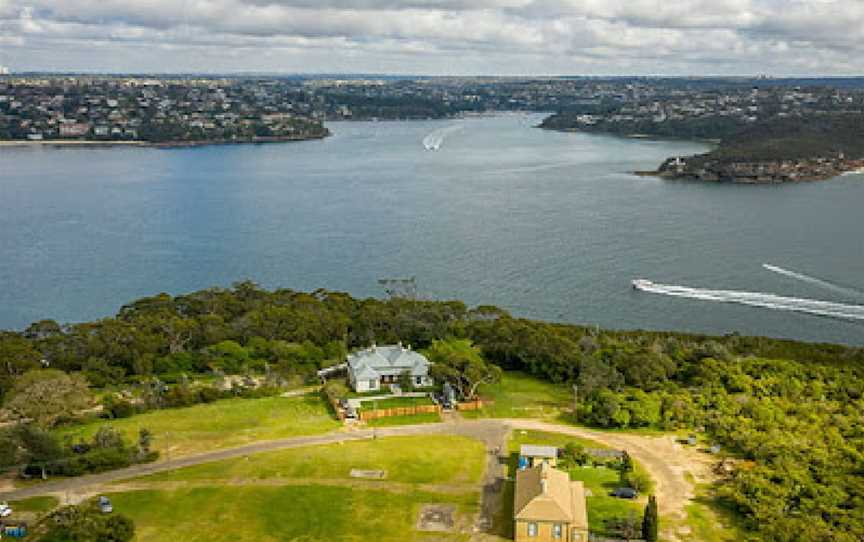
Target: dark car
column 625, row 493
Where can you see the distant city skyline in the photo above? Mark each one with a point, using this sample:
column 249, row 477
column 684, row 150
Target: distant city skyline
column 436, row 37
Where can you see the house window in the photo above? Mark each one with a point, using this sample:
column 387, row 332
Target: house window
column 418, row 380
column 532, row 529
column 556, row 531
column 373, row 384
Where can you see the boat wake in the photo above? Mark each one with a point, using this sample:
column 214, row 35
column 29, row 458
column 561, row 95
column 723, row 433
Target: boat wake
column 434, row 140
column 757, row 299
column 813, row 280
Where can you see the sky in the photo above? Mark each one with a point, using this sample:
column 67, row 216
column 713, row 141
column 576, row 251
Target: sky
column 436, row 37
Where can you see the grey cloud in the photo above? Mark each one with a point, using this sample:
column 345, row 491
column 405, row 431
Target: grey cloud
column 431, row 36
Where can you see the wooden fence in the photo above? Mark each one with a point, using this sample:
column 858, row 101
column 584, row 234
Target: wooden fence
column 366, row 415
column 473, row 405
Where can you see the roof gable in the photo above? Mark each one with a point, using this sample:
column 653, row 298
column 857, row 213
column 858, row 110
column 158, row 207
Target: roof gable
column 389, row 358
column 364, row 371
column 545, row 493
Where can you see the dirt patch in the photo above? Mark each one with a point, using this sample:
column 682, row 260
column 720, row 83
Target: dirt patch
column 436, row 518
column 368, row 474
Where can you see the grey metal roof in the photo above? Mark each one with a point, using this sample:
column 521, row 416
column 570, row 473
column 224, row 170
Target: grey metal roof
column 533, row 450
column 387, row 359
column 364, row 371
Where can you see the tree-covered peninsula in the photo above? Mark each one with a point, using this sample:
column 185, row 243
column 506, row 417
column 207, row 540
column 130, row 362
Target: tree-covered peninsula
column 782, row 149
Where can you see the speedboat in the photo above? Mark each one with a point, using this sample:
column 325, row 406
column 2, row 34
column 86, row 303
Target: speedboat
column 641, row 284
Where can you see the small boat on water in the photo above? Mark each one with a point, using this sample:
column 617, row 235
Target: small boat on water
column 641, row 284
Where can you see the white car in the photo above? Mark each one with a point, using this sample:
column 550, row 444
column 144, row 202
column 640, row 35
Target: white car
column 105, row 505
column 5, row 510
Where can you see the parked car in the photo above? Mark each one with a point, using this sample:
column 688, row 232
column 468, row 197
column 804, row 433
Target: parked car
column 625, row 493
column 105, row 505
column 5, row 510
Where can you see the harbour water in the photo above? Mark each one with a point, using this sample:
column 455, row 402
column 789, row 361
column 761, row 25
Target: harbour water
column 488, row 210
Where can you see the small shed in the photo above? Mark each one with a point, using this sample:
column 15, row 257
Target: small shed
column 536, row 455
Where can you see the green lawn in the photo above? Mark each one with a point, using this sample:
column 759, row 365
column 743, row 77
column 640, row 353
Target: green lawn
column 397, row 402
column 408, row 419
column 599, row 481
column 413, row 459
column 271, row 514
column 35, row 504
column 521, row 396
column 222, row 424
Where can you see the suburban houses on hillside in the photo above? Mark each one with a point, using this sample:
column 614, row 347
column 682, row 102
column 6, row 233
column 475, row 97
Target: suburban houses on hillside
column 372, row 367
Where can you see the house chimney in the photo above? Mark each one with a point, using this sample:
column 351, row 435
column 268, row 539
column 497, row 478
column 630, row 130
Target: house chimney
column 544, row 477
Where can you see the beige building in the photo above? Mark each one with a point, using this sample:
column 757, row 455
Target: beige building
column 548, row 507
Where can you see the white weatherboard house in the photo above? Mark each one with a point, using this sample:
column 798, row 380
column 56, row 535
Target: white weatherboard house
column 370, row 368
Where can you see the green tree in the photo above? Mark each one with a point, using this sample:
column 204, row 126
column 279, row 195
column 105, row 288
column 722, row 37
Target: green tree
column 17, row 356
column 458, row 362
column 335, row 390
column 10, row 448
column 575, row 452
column 40, row 447
column 145, row 441
column 406, row 383
column 107, row 437
column 229, row 356
column 650, row 521
column 45, row 396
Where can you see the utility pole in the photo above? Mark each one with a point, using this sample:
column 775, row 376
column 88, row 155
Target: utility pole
column 375, row 410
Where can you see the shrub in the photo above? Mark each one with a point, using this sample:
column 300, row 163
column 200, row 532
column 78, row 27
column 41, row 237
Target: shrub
column 638, row 480
column 179, row 396
column 335, row 390
column 116, row 407
column 86, row 523
column 208, row 394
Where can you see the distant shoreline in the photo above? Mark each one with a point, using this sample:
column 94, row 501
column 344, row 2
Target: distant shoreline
column 85, row 143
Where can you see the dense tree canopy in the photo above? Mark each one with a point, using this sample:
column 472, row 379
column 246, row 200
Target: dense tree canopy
column 790, row 411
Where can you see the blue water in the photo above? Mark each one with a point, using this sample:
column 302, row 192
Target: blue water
column 549, row 225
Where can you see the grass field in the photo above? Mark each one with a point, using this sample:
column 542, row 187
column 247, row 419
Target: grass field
column 521, row 396
column 222, row 424
column 35, row 504
column 599, row 481
column 708, row 521
column 408, row 419
column 444, row 459
column 271, row 514
column 397, row 402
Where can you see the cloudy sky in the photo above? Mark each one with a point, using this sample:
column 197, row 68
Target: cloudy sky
column 513, row 37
